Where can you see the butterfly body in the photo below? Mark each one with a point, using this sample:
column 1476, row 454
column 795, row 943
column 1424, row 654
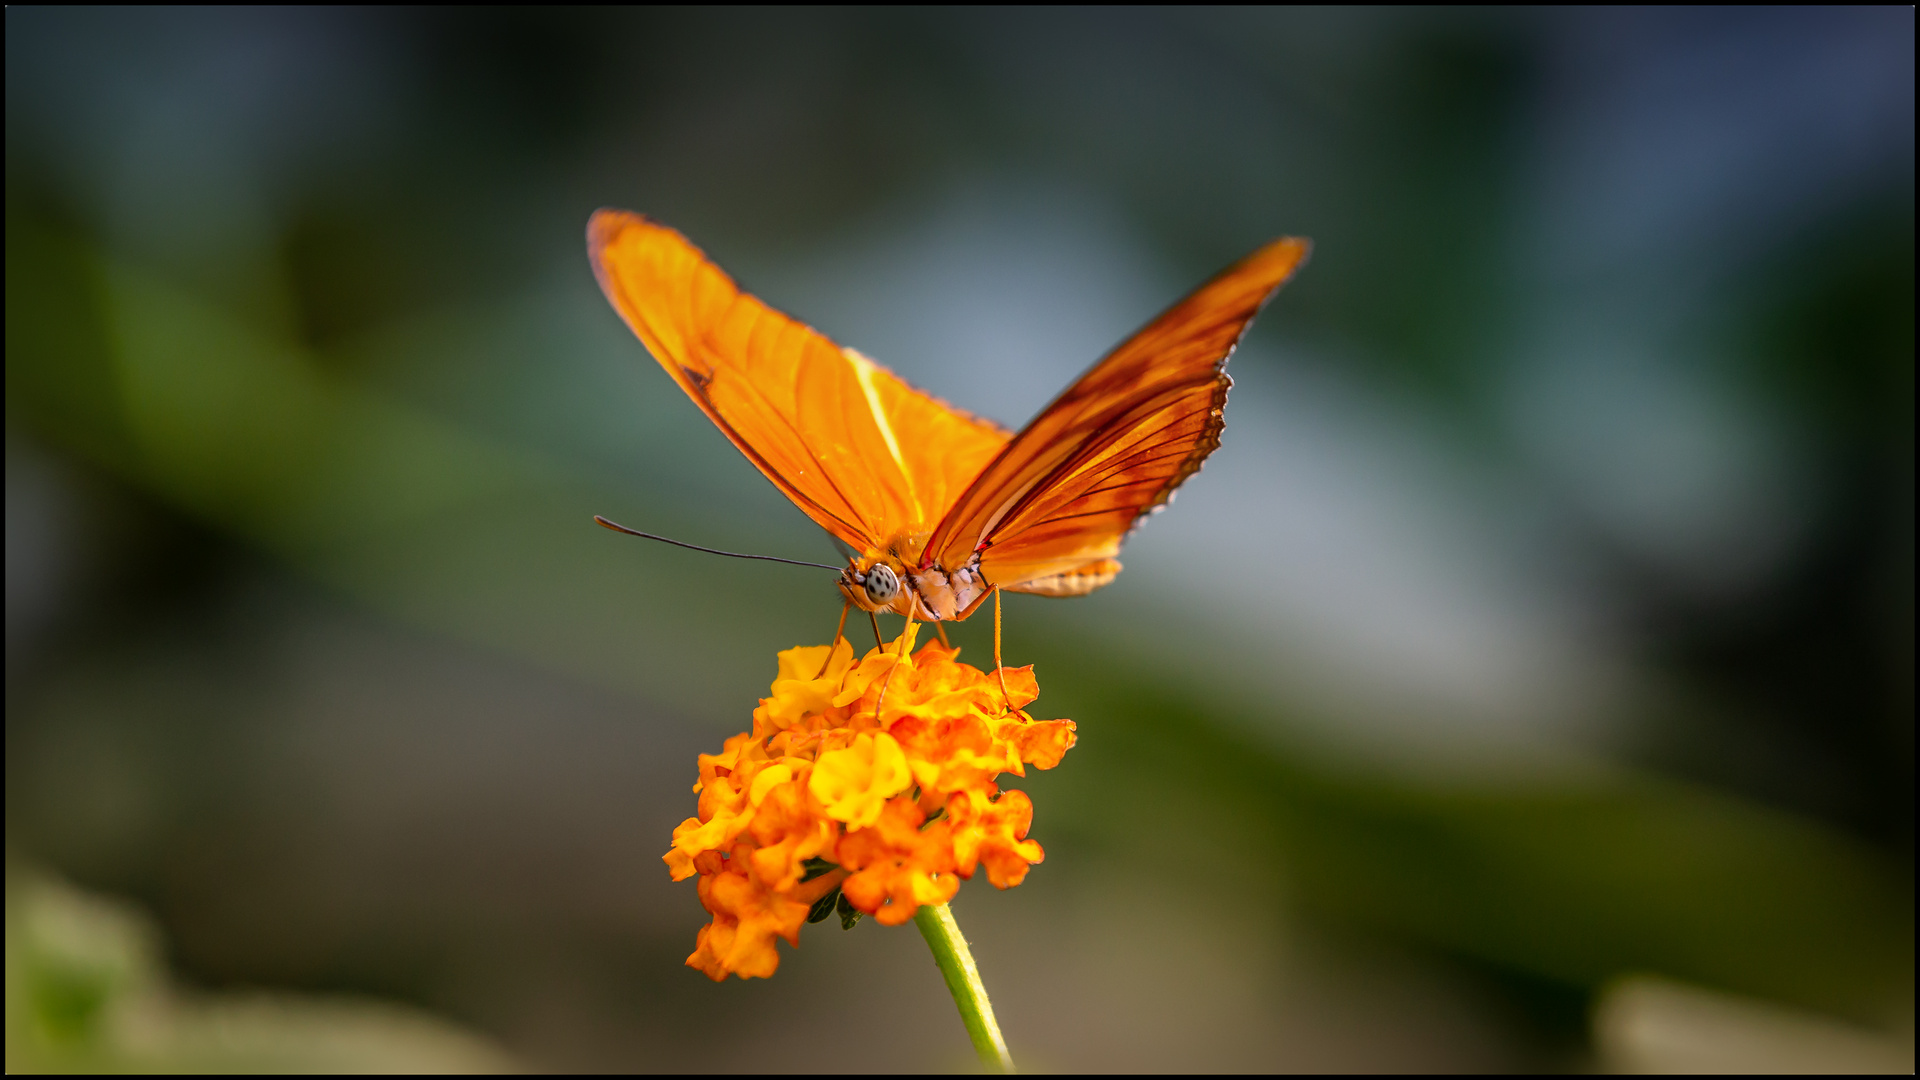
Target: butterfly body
column 892, row 581
column 942, row 508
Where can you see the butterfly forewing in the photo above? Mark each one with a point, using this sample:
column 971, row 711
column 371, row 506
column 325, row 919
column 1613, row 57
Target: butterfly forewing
column 1084, row 510
column 1114, row 446
column 858, row 450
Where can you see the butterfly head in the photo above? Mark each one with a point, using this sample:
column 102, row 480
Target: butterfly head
column 874, row 587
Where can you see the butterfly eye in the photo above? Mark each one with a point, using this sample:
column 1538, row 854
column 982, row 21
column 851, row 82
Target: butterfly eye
column 881, row 584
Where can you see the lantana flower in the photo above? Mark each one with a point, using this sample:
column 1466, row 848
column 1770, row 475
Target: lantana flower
column 869, row 788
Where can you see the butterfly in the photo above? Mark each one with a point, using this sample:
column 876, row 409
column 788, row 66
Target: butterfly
column 940, row 508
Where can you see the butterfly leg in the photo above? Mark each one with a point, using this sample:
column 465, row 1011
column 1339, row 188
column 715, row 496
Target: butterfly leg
column 838, row 632
column 999, row 665
column 875, row 620
column 941, row 629
column 888, row 680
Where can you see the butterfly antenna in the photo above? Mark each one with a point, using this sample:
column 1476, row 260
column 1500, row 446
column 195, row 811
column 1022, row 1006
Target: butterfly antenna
column 616, row 527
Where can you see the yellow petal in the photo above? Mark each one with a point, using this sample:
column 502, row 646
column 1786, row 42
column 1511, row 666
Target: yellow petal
column 854, row 784
column 770, row 777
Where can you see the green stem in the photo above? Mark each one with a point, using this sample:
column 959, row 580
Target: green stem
column 963, row 979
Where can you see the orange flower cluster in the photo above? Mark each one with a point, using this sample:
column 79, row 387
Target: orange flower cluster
column 888, row 809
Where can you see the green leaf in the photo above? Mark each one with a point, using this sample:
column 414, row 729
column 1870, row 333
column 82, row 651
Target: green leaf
column 849, row 915
column 824, row 907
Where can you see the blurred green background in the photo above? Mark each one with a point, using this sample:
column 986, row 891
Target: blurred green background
column 1541, row 634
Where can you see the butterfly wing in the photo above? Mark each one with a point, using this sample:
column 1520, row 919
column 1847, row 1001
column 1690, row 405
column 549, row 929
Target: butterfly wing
column 859, row 451
column 1050, row 512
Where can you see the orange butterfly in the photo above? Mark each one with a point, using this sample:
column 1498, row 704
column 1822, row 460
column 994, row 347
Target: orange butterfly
column 941, row 507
